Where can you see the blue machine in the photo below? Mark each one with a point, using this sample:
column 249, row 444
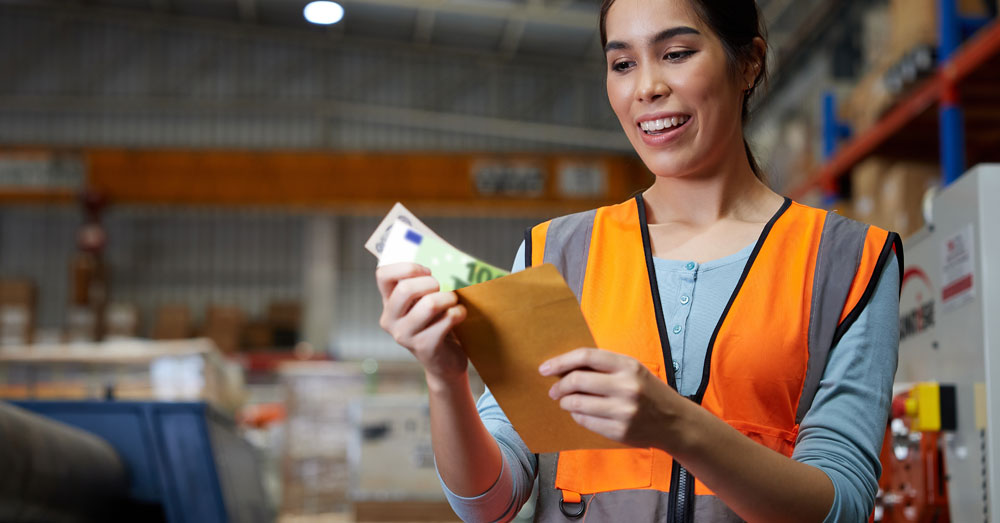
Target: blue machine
column 185, row 457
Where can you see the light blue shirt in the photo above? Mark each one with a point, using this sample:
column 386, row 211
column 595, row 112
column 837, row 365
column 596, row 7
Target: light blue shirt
column 841, row 434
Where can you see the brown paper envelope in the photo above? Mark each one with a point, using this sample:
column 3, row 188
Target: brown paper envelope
column 514, row 324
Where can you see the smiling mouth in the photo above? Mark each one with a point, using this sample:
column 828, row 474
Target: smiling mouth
column 663, row 125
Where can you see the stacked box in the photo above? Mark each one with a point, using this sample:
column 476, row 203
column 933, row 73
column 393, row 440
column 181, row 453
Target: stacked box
column 17, row 312
column 391, row 455
column 906, row 185
column 868, row 100
column 121, row 321
column 318, row 396
column 915, row 22
column 284, row 319
column 890, row 194
column 224, row 326
column 81, row 324
column 183, row 370
column 257, row 335
column 866, row 190
column 173, row 322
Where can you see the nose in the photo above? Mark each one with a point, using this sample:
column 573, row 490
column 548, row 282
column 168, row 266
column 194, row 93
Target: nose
column 652, row 86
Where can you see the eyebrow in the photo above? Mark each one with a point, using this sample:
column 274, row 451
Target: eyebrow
column 661, row 36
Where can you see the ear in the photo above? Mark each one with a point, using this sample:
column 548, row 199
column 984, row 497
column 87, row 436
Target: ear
column 753, row 67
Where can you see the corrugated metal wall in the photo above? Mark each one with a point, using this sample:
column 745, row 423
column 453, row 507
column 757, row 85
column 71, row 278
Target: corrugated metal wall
column 146, row 80
column 88, row 78
column 247, row 258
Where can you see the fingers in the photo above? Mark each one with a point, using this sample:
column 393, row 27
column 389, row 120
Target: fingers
column 424, row 313
column 587, row 382
column 609, row 428
column 388, row 276
column 596, row 359
column 433, row 334
column 407, row 293
column 598, row 406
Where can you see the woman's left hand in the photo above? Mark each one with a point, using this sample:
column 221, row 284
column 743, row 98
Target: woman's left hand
column 616, row 396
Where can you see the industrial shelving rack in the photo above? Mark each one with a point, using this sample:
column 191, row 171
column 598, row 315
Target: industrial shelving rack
column 965, row 90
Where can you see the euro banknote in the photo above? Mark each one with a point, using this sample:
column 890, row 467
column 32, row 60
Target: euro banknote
column 452, row 268
column 376, row 242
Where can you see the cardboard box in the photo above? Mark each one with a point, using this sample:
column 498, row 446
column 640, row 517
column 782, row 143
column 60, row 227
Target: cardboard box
column 17, row 292
column 868, row 100
column 81, row 324
column 182, row 370
column 285, row 319
column 121, row 321
column 390, row 454
column 866, row 190
column 173, row 322
column 903, row 191
column 915, row 22
column 224, row 326
column 318, row 397
column 258, row 335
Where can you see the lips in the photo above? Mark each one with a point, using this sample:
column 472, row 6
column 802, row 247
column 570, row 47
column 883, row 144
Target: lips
column 663, row 128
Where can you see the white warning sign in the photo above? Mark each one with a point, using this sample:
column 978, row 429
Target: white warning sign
column 958, row 263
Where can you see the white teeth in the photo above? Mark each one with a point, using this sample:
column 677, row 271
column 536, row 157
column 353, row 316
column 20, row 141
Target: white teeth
column 662, row 123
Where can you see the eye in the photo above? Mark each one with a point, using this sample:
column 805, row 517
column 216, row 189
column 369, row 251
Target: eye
column 622, row 65
column 678, row 56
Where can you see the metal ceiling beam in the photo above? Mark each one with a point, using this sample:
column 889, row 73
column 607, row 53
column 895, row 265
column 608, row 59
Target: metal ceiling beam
column 555, row 134
column 536, row 13
column 247, row 10
column 425, row 26
column 511, row 38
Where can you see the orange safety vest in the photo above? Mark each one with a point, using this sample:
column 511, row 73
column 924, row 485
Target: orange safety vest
column 809, row 276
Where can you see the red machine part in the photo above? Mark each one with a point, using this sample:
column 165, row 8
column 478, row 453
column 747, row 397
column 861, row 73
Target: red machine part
column 913, row 487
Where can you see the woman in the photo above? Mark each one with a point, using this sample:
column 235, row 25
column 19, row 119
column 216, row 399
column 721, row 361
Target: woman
column 747, row 344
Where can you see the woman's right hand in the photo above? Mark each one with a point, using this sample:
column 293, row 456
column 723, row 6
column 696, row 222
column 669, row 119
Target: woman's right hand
column 421, row 318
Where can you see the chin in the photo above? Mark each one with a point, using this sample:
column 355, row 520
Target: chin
column 664, row 164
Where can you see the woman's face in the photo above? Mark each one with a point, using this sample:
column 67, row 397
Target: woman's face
column 670, row 86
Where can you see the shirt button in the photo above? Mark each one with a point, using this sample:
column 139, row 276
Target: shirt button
column 685, row 299
column 677, row 366
column 677, row 329
column 689, row 266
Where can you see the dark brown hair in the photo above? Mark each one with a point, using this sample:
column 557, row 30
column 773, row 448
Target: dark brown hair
column 736, row 23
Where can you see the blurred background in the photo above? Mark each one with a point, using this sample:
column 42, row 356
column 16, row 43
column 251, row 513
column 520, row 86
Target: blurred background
column 186, row 187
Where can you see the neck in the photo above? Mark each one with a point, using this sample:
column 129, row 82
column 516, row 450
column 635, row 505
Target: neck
column 728, row 189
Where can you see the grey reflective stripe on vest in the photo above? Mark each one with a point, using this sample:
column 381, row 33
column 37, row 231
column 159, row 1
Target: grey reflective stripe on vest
column 635, row 505
column 838, row 259
column 567, row 245
column 619, row 505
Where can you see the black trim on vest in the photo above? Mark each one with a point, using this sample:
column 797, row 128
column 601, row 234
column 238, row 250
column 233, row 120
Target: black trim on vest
column 893, row 243
column 661, row 325
column 707, row 368
column 680, row 507
column 527, row 247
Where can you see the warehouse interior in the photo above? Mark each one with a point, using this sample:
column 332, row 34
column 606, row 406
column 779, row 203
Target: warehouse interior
column 189, row 320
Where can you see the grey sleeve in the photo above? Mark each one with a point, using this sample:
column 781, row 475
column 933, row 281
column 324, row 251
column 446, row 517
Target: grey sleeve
column 842, row 432
column 503, row 500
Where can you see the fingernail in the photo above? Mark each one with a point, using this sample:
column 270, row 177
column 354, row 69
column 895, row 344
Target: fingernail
column 544, row 368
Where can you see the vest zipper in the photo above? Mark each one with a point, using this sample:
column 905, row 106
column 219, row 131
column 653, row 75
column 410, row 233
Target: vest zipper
column 681, row 489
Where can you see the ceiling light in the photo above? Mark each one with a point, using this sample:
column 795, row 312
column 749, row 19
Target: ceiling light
column 323, row 12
